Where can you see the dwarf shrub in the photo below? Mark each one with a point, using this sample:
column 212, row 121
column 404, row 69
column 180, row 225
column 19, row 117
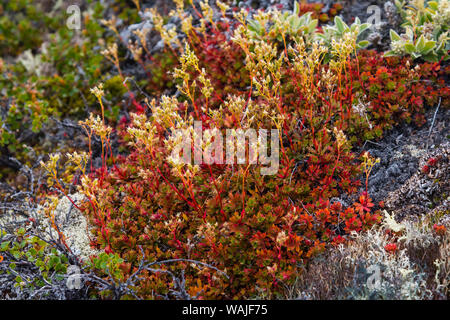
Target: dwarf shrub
column 257, row 229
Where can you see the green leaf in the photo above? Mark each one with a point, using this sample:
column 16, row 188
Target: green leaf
column 420, row 44
column 21, row 232
column 429, row 46
column 440, row 46
column 5, row 245
column 422, row 20
column 431, row 57
column 294, row 22
column 433, row 5
column 394, row 36
column 312, row 25
column 390, row 53
column 296, row 8
column 416, row 55
column 364, row 27
column 16, row 255
column 321, row 36
column 410, row 48
column 363, row 44
column 54, row 261
column 339, row 24
column 255, row 26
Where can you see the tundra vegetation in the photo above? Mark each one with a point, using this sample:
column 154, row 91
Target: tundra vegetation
column 90, row 118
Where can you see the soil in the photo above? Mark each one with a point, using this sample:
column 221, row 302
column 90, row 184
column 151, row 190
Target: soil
column 398, row 180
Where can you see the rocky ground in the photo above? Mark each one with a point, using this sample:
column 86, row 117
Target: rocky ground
column 411, row 180
column 398, row 179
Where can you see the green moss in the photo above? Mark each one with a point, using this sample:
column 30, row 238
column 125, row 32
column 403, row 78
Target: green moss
column 49, row 73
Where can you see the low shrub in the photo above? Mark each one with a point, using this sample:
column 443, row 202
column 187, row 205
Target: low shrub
column 258, row 229
column 426, row 30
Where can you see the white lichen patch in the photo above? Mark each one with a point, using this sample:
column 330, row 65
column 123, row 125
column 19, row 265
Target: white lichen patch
column 398, row 155
column 412, row 151
column 73, row 225
column 8, row 218
column 69, row 220
column 416, row 152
